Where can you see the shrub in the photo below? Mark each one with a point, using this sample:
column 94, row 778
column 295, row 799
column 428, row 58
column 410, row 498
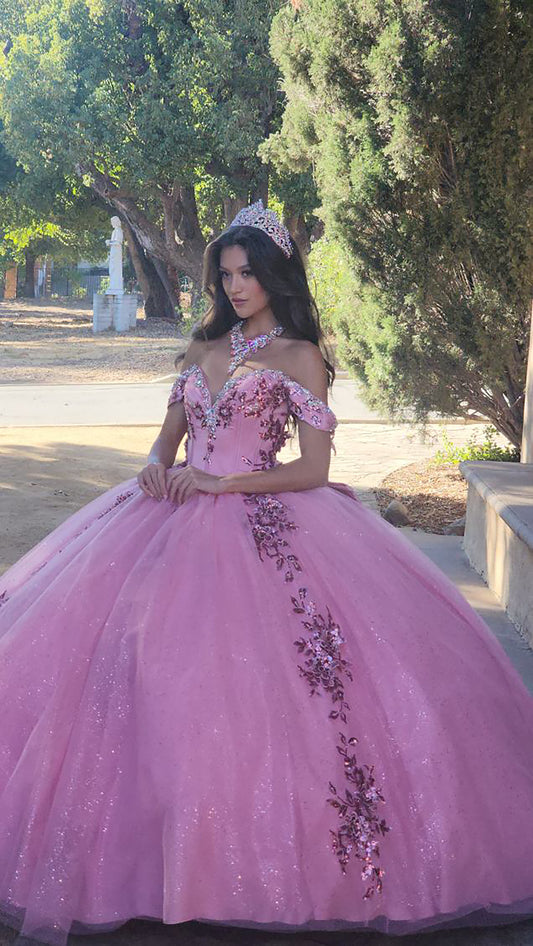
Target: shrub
column 488, row 449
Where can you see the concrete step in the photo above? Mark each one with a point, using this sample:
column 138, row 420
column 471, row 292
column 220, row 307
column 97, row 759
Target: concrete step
column 446, row 551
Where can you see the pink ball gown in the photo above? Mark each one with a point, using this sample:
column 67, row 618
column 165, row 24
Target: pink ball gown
column 264, row 710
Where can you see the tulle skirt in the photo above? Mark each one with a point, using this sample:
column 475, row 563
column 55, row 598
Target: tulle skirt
column 262, row 711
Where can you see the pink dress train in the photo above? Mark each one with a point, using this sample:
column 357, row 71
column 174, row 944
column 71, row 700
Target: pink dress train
column 254, row 709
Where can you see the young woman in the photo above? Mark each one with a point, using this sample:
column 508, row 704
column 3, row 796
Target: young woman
column 230, row 692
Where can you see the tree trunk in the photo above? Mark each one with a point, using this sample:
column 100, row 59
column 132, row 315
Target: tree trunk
column 232, row 205
column 317, row 232
column 294, row 222
column 179, row 247
column 171, row 303
column 157, row 303
column 260, row 191
column 29, row 278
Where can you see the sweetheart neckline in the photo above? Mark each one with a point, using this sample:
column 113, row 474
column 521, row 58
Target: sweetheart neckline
column 235, row 378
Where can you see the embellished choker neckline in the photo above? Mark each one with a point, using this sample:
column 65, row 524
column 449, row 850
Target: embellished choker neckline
column 241, row 347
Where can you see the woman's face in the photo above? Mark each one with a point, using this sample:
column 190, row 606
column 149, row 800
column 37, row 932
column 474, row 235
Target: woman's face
column 245, row 293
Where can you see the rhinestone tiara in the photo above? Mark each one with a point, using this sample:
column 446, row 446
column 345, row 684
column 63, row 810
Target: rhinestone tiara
column 258, row 216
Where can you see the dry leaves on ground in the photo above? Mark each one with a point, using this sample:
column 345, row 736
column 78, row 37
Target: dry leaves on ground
column 434, row 493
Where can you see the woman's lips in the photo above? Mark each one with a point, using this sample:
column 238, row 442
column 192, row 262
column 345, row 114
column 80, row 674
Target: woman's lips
column 239, row 301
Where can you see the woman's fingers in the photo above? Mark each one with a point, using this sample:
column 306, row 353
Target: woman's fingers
column 180, row 487
column 162, row 479
column 184, row 486
column 154, row 483
column 152, row 480
column 159, row 483
column 173, row 488
column 187, row 491
column 143, row 485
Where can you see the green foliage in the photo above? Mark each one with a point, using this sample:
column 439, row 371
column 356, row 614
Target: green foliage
column 416, row 120
column 367, row 342
column 327, row 274
column 159, row 107
column 179, row 90
column 46, row 213
column 488, row 449
column 71, row 229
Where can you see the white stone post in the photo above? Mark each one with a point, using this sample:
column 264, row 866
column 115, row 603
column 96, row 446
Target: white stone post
column 115, row 308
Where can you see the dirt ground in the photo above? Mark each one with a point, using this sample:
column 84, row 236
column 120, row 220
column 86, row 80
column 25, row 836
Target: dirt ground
column 46, row 474
column 52, row 341
column 434, row 493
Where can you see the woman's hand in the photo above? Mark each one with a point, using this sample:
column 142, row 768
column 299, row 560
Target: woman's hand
column 184, row 482
column 152, row 480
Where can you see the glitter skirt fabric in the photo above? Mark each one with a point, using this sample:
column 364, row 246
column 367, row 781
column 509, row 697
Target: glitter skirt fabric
column 255, row 710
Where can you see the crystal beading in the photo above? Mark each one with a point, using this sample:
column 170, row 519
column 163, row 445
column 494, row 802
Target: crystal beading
column 241, row 347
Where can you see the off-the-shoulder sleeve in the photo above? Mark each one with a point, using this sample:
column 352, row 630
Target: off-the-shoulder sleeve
column 306, row 406
column 176, row 391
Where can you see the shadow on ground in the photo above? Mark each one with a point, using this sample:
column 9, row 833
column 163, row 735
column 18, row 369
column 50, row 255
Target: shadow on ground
column 54, row 472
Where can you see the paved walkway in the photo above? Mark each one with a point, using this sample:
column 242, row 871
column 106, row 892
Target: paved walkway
column 120, row 403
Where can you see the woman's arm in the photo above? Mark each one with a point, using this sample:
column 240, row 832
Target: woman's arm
column 311, row 469
column 165, row 446
column 296, row 475
column 163, row 452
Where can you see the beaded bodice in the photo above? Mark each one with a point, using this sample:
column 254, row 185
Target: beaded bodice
column 244, row 426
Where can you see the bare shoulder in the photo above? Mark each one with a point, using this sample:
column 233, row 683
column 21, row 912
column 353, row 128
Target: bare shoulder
column 193, row 354
column 307, row 366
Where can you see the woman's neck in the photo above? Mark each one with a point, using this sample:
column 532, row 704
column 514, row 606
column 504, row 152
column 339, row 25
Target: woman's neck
column 259, row 324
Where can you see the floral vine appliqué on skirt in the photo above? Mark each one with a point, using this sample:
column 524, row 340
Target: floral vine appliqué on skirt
column 324, row 668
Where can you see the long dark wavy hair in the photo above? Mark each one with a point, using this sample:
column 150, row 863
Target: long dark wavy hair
column 283, row 278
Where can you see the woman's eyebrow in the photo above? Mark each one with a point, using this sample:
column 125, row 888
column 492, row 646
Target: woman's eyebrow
column 222, row 269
